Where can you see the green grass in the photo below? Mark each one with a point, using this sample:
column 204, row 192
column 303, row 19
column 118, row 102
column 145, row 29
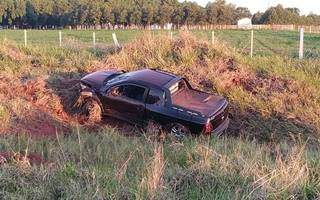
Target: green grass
column 271, row 150
column 86, row 166
column 83, row 37
column 266, row 42
column 38, row 37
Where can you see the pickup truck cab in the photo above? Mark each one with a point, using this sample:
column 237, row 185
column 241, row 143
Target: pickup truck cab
column 144, row 95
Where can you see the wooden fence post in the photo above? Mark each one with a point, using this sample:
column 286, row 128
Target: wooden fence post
column 25, row 38
column 251, row 49
column 301, row 43
column 212, row 38
column 60, row 38
column 115, row 40
column 94, row 39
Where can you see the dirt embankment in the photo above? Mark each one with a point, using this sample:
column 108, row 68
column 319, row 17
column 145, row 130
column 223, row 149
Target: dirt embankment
column 32, row 107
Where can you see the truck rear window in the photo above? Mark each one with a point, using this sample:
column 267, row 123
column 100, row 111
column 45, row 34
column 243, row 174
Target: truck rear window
column 177, row 87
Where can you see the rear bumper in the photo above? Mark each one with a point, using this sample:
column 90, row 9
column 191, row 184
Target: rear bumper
column 222, row 127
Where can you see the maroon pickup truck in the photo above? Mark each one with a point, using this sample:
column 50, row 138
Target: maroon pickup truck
column 144, row 95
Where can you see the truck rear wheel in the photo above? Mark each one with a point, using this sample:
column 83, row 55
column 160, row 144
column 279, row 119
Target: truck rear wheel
column 178, row 131
column 91, row 110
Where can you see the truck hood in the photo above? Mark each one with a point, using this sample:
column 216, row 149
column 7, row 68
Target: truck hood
column 201, row 102
column 97, row 79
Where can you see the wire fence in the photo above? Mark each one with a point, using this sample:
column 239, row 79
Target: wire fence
column 274, row 27
column 248, row 42
column 268, row 42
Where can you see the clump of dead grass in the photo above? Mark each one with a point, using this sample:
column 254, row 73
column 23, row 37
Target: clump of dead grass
column 23, row 160
column 10, row 51
column 153, row 179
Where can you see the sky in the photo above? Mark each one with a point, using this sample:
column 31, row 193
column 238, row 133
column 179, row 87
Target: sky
column 305, row 6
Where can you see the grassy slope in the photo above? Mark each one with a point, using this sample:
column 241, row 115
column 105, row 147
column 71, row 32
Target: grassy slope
column 268, row 157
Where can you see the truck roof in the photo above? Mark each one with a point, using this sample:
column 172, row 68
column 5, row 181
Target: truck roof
column 155, row 77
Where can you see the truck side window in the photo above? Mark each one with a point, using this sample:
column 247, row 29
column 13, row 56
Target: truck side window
column 129, row 91
column 155, row 97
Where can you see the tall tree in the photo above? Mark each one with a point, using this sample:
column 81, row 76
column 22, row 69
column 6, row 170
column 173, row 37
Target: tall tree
column 242, row 12
column 257, row 18
column 177, row 14
column 220, row 12
column 61, row 12
column 14, row 12
column 148, row 11
column 191, row 13
column 280, row 15
column 4, row 5
column 40, row 13
column 165, row 11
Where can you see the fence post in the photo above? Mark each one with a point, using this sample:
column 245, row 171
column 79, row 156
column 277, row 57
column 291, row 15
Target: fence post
column 115, row 40
column 251, row 49
column 94, row 39
column 212, row 38
column 25, row 38
column 301, row 43
column 171, row 35
column 60, row 38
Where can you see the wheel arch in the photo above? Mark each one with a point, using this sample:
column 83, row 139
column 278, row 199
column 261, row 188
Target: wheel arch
column 90, row 94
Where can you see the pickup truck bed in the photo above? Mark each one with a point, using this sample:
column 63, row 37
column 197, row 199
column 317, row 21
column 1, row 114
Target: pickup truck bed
column 198, row 101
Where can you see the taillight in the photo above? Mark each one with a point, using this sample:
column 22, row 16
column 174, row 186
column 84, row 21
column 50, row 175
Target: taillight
column 208, row 128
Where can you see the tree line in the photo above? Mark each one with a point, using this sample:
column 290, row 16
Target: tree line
column 126, row 13
column 281, row 15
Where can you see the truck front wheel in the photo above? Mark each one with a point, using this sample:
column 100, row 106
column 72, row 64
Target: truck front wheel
column 178, row 131
column 91, row 110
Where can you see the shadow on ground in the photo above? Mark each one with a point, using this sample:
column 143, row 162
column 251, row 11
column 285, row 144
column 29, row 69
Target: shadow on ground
column 274, row 128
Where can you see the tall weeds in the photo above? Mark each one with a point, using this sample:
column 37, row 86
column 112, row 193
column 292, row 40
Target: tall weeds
column 273, row 102
column 256, row 94
column 153, row 180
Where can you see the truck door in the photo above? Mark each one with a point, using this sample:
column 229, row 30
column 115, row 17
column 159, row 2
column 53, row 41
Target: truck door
column 126, row 101
column 155, row 107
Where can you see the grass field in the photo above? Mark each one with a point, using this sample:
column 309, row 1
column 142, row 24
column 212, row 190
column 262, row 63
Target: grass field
column 266, row 42
column 270, row 151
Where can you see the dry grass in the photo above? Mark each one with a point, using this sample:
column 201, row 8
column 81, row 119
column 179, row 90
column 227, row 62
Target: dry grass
column 153, row 180
column 290, row 174
column 274, row 114
column 216, row 68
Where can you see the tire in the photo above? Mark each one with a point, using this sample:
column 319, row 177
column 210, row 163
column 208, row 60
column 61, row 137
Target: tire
column 178, row 131
column 91, row 111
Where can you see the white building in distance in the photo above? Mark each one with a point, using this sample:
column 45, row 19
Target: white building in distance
column 245, row 23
